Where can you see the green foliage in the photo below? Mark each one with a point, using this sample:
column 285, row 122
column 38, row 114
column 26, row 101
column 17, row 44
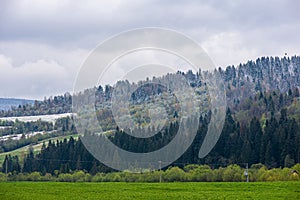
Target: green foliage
column 174, row 174
column 3, row 177
column 278, row 144
column 233, row 173
column 192, row 173
column 34, row 176
column 198, row 173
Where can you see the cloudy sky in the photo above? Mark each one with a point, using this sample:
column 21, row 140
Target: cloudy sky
column 44, row 42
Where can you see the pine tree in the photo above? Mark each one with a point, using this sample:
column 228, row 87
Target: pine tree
column 29, row 162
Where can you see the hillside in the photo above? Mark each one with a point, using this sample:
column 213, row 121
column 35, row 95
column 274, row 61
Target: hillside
column 262, row 123
column 8, row 103
column 262, row 75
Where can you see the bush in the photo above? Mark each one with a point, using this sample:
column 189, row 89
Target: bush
column 99, row 177
column 190, row 173
column 34, row 176
column 78, row 176
column 233, row 173
column 200, row 173
column 297, row 168
column 47, row 177
column 112, row 177
column 3, row 177
column 151, row 176
column 65, row 178
column 131, row 177
column 174, row 174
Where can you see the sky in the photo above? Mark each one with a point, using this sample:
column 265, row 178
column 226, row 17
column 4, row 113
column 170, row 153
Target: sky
column 44, row 43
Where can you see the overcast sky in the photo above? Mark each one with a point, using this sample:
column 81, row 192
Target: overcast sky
column 44, row 42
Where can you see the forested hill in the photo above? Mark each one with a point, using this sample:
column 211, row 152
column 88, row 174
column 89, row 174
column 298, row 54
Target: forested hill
column 262, row 121
column 7, row 103
column 263, row 75
column 242, row 81
column 52, row 105
column 276, row 143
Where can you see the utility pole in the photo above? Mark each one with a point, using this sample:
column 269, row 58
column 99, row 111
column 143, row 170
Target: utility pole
column 6, row 166
column 159, row 162
column 246, row 173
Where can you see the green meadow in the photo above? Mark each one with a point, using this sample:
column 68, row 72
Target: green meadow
column 177, row 190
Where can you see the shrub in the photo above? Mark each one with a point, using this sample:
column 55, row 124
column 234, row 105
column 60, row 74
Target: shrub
column 233, row 173
column 3, row 177
column 200, row 173
column 65, row 178
column 34, row 176
column 78, row 176
column 99, row 177
column 174, row 174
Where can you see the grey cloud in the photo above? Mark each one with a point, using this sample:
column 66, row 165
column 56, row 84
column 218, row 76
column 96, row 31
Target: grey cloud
column 32, row 80
column 70, row 21
column 65, row 31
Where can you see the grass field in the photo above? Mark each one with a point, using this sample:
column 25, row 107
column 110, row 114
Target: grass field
column 58, row 190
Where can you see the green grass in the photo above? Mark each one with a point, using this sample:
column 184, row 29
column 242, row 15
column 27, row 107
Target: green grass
column 21, row 152
column 58, row 190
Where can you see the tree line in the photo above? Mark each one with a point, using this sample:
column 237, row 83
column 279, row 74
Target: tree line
column 189, row 173
column 272, row 142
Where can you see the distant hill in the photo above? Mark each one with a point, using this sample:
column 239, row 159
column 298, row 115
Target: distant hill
column 7, row 103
